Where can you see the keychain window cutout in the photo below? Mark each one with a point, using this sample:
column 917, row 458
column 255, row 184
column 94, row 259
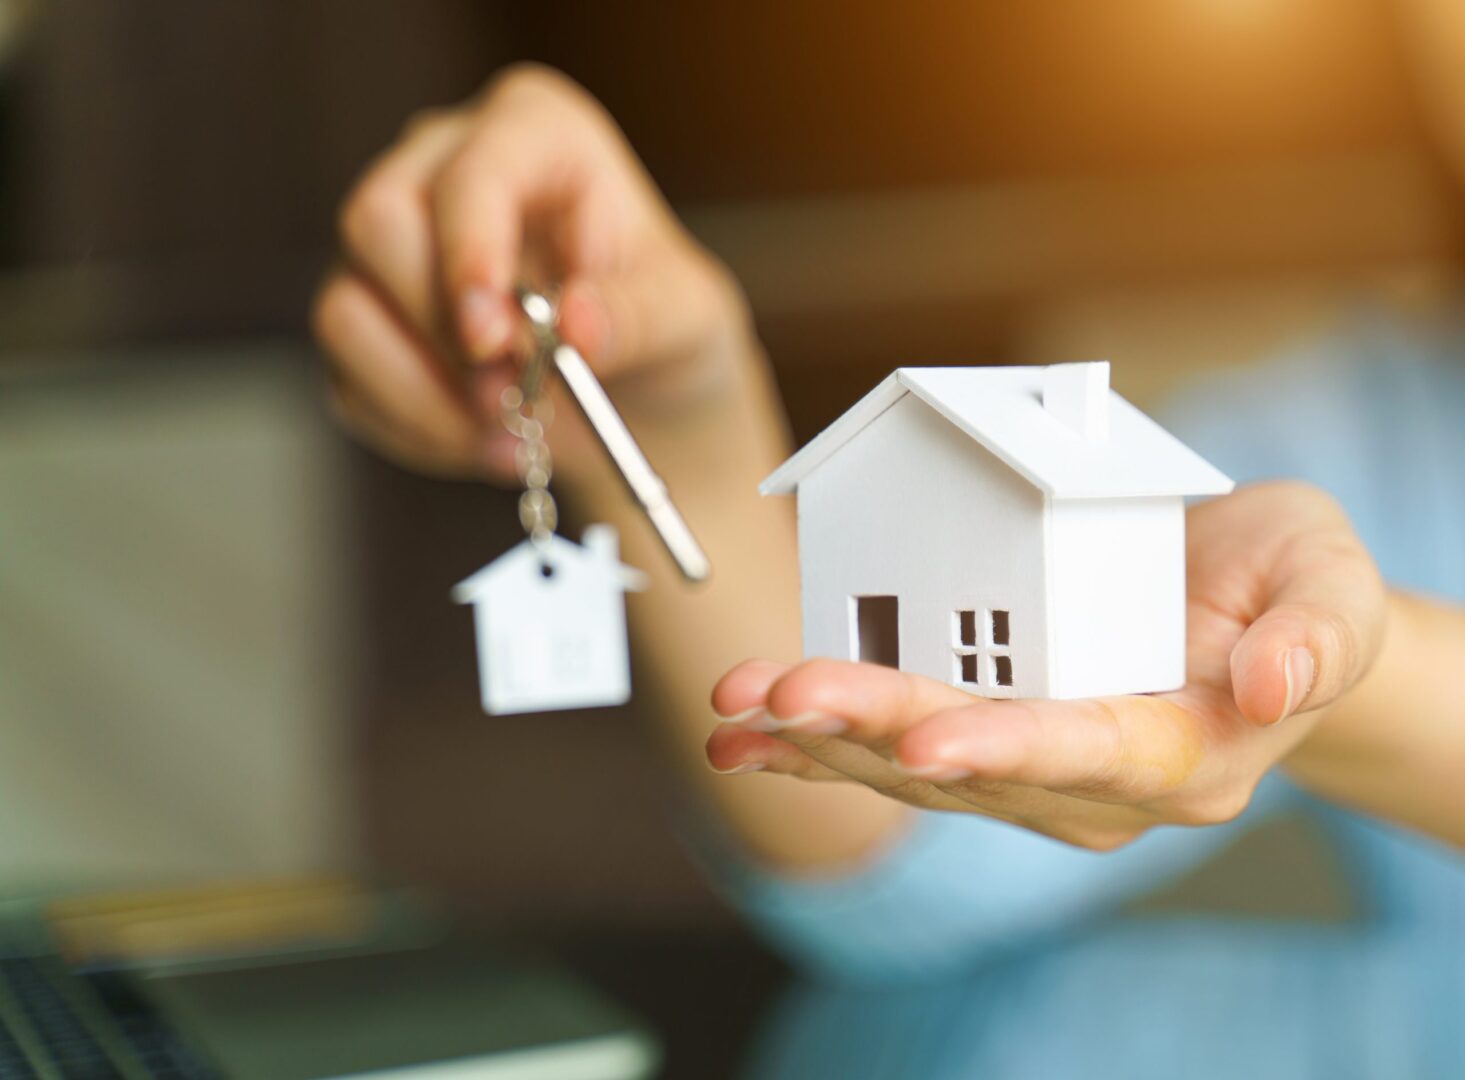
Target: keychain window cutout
column 550, row 620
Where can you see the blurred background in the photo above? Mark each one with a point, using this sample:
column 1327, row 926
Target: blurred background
column 226, row 646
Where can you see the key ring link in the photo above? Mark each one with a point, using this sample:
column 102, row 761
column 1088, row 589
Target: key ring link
column 527, row 415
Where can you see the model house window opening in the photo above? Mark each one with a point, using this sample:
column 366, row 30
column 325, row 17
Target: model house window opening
column 998, row 628
column 982, row 640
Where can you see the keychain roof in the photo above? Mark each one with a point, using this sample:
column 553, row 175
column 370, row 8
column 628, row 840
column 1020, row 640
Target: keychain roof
column 592, row 553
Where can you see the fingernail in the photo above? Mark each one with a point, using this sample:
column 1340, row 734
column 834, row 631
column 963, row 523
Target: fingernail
column 1298, row 668
column 754, row 719
column 810, row 723
column 937, row 772
column 484, row 323
column 745, row 767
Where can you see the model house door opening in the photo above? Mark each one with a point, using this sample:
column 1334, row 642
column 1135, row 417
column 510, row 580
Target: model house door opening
column 876, row 630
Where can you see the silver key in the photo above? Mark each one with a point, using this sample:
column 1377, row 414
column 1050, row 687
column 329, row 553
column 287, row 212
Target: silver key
column 648, row 489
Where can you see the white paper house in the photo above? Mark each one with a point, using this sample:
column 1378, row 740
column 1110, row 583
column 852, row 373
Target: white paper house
column 551, row 624
column 1015, row 531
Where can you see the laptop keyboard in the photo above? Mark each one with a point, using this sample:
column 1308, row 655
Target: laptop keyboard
column 14, row 1065
column 70, row 1046
column 162, row 1050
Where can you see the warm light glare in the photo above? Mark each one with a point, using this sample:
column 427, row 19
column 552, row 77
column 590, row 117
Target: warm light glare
column 1242, row 15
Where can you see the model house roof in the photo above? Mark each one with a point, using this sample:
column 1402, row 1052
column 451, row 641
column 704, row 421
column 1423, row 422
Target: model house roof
column 1060, row 427
column 600, row 552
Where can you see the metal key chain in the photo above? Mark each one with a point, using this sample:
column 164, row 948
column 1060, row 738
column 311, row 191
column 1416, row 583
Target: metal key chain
column 527, row 414
column 550, row 614
column 646, row 487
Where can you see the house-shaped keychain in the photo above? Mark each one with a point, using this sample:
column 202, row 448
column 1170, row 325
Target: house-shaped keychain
column 551, row 624
column 1015, row 531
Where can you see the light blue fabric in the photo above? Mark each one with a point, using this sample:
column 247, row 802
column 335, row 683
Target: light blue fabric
column 972, row 949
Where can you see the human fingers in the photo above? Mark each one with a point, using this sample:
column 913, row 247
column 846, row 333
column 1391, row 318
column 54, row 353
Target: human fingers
column 742, row 693
column 386, row 230
column 670, row 304
column 537, row 143
column 745, row 693
column 867, row 704
column 1321, row 616
column 742, row 696
column 370, row 426
column 385, row 379
column 812, row 707
column 1124, row 749
column 733, row 748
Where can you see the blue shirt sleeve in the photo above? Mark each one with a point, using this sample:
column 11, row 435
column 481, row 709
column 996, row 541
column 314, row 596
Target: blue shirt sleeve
column 958, row 889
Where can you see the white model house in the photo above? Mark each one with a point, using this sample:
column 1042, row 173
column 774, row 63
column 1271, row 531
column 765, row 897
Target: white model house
column 1015, row 531
column 551, row 624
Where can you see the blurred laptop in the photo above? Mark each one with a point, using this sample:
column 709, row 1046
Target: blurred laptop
column 175, row 691
column 288, row 982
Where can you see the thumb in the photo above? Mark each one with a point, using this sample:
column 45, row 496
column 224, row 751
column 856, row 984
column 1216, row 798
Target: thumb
column 669, row 307
column 1318, row 634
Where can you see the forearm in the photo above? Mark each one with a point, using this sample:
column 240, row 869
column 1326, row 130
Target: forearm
column 713, row 449
column 1394, row 746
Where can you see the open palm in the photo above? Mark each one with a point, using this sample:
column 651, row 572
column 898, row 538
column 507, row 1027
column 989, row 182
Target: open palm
column 1286, row 612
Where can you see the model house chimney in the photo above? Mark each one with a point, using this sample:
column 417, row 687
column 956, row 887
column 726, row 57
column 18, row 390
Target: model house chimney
column 1077, row 395
column 601, row 540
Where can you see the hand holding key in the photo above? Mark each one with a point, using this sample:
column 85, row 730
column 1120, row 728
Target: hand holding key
column 530, row 180
column 625, row 453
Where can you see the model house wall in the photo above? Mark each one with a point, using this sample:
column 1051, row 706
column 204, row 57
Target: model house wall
column 1118, row 589
column 913, row 507
column 1011, row 531
column 551, row 625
